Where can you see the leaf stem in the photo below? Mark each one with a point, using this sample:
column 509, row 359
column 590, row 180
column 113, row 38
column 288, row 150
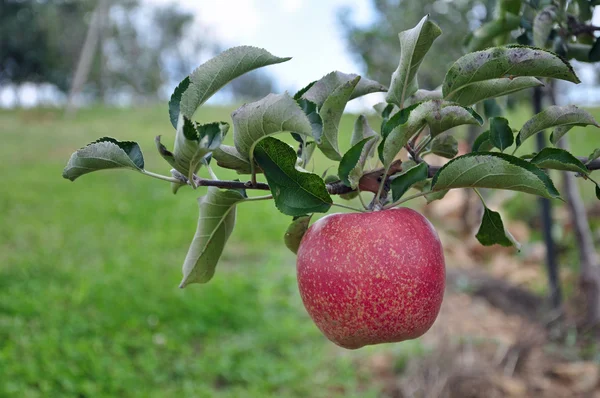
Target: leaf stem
column 406, row 199
column 480, row 196
column 160, row 176
column 257, row 198
column 423, row 144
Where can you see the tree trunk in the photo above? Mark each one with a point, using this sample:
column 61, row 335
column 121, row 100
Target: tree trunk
column 87, row 55
column 589, row 263
column 546, row 215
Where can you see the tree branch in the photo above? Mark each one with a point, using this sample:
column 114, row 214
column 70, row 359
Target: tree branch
column 368, row 181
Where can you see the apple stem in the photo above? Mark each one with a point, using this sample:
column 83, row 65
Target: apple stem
column 362, row 201
column 381, row 185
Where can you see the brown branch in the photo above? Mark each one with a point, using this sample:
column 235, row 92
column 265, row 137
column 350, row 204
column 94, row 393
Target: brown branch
column 368, row 183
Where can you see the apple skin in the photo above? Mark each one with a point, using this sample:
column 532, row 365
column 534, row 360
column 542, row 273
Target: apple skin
column 371, row 278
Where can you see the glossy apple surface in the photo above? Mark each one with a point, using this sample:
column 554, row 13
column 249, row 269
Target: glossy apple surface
column 370, row 278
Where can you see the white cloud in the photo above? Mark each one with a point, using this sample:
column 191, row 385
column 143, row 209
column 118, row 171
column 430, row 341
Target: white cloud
column 290, row 6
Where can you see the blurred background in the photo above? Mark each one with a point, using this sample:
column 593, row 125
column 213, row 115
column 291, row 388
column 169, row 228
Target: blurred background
column 89, row 304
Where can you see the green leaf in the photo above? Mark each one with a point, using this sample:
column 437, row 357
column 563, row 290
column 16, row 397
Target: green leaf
column 176, row 99
column 558, row 159
column 445, row 146
column 483, row 143
column 437, row 114
column 585, row 10
column 598, row 191
column 353, row 162
column 211, row 76
column 215, row 225
column 331, row 113
column 509, row 7
column 424, row 95
column 501, row 135
column 193, row 143
column 296, row 193
column 484, row 36
column 472, row 94
column 273, row 114
column 504, row 63
column 492, row 231
column 494, row 170
column 559, row 132
column 542, row 26
column 229, row 158
column 433, row 196
column 442, row 116
column 164, row 152
column 295, row 232
column 555, row 116
column 594, row 155
column 324, row 87
column 361, row 130
column 576, row 51
column 414, row 44
column 491, row 108
column 389, row 125
column 410, row 177
column 308, row 152
column 303, row 90
column 102, row 154
column 312, row 114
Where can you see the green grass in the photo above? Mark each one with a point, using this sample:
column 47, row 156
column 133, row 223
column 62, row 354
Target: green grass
column 89, row 304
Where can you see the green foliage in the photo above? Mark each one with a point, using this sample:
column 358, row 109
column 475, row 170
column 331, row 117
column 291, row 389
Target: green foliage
column 483, row 143
column 492, row 230
column 295, row 232
column 331, row 113
column 296, row 193
column 193, row 143
column 494, row 170
column 558, row 159
column 485, row 35
column 273, row 114
column 438, row 115
column 414, row 44
column 229, row 158
column 505, row 63
column 501, row 135
column 407, row 179
column 351, row 166
column 445, row 146
column 104, row 153
column 555, row 116
column 215, row 225
column 211, row 76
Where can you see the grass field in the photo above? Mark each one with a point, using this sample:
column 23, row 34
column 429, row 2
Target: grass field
column 89, row 304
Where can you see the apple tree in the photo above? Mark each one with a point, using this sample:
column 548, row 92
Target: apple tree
column 346, row 274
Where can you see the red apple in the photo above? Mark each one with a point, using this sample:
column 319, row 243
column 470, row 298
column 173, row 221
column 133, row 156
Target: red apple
column 370, row 278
